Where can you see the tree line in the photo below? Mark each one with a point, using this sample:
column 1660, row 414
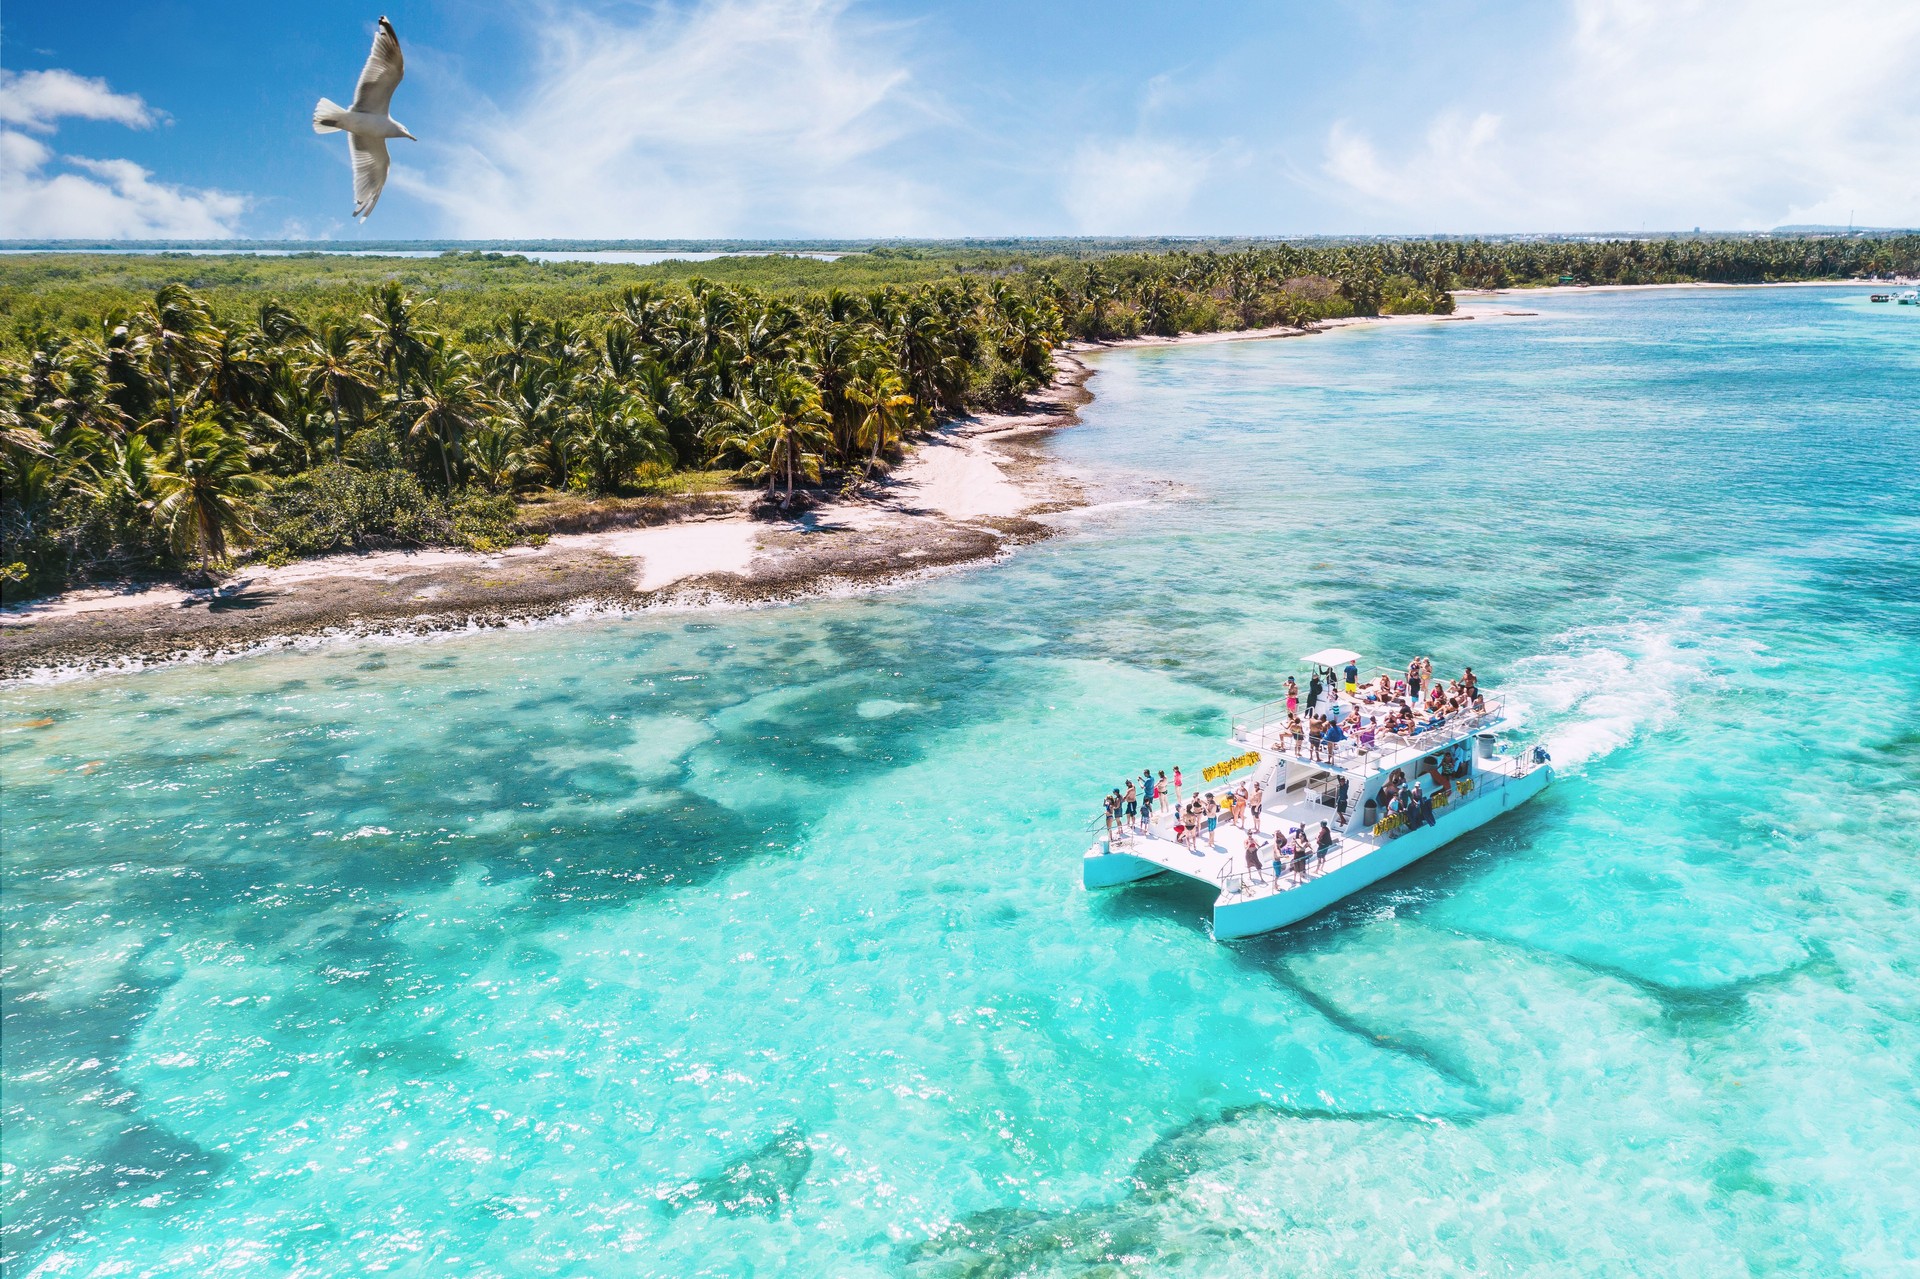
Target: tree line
column 195, row 425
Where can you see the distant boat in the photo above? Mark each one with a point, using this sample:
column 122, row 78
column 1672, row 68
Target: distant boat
column 1910, row 298
column 1881, row 297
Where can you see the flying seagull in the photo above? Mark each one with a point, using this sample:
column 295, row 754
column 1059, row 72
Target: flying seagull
column 366, row 123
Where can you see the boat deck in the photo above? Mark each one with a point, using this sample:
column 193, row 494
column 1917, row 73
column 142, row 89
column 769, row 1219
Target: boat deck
column 1222, row 863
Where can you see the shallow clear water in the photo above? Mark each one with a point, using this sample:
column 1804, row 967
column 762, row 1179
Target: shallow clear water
column 752, row 943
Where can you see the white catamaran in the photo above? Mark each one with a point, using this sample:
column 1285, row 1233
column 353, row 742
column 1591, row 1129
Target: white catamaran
column 1386, row 797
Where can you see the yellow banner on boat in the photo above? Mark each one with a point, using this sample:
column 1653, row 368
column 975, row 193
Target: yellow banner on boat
column 1214, row 772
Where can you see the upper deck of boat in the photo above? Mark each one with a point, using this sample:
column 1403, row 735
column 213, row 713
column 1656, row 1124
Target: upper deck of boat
column 1264, row 729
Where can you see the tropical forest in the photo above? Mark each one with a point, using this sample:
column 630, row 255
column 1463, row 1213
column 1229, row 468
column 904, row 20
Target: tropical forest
column 165, row 414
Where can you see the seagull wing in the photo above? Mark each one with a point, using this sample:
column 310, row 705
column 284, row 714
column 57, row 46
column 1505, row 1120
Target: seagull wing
column 381, row 76
column 369, row 172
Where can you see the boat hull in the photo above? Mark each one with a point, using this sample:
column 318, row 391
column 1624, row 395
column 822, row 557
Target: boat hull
column 1116, row 868
column 1251, row 916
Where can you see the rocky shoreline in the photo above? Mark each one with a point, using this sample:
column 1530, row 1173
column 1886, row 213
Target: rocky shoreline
column 972, row 491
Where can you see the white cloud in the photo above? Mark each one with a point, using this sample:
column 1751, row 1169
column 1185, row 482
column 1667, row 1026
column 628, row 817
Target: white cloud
column 35, row 99
column 47, row 196
column 1669, row 114
column 106, row 200
column 737, row 117
column 1131, row 186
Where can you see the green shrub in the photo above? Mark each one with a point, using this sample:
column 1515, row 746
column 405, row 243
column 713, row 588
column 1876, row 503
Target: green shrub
column 336, row 508
column 484, row 521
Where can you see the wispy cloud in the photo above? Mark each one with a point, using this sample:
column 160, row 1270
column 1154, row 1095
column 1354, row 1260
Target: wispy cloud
column 1132, row 185
column 35, row 99
column 46, row 195
column 738, row 117
column 1668, row 114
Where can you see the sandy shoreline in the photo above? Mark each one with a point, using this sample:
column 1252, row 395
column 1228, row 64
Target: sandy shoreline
column 973, row 491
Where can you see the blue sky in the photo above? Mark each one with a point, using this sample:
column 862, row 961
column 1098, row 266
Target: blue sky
column 762, row 118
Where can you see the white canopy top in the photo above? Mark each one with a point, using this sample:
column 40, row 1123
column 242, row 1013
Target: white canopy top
column 1330, row 657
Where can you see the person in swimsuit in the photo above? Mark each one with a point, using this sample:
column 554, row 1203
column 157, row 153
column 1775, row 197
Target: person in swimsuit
column 1253, row 857
column 1176, row 784
column 1293, row 696
column 1323, row 842
column 1130, row 806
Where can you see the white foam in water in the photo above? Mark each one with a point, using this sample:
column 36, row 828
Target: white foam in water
column 1604, row 684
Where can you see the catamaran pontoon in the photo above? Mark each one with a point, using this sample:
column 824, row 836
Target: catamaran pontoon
column 1455, row 763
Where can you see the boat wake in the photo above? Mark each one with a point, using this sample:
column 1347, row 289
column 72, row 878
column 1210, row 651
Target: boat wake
column 1601, row 686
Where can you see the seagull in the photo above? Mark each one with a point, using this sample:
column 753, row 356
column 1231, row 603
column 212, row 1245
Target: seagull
column 366, row 123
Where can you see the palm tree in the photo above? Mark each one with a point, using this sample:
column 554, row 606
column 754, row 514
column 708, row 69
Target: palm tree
column 448, row 403
column 779, row 436
column 177, row 330
column 494, row 457
column 617, row 433
column 398, row 342
column 202, row 487
column 886, row 408
column 333, row 363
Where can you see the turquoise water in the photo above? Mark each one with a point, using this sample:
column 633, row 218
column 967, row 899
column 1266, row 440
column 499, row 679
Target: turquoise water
column 751, row 943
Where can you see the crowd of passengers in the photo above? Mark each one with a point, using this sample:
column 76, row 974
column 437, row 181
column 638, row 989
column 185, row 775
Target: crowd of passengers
column 1385, row 705
column 1202, row 815
column 1382, row 706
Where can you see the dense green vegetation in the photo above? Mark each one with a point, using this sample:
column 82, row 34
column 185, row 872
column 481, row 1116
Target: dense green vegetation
column 162, row 412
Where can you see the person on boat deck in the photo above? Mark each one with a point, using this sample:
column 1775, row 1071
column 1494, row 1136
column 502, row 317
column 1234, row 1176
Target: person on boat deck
column 1340, row 799
column 1352, row 673
column 1296, row 854
column 1323, row 842
column 1130, row 805
column 1313, row 694
column 1333, row 737
column 1146, row 796
column 1293, row 696
column 1368, row 731
column 1253, row 855
column 1113, row 812
column 1469, row 681
column 1413, row 678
